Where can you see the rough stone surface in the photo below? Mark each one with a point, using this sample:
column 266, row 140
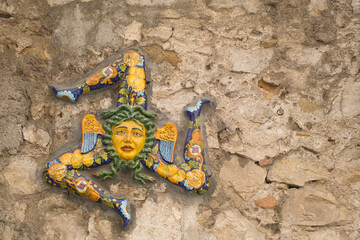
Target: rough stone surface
column 147, row 3
column 13, row 106
column 36, row 135
column 21, row 176
column 231, row 225
column 162, row 33
column 313, row 207
column 356, row 6
column 168, row 213
column 104, row 226
column 12, row 133
column 53, row 3
column 317, row 6
column 133, row 31
column 283, row 77
column 20, row 211
column 326, row 234
column 73, row 30
column 297, row 169
column 245, row 179
column 350, row 101
column 249, row 6
column 249, row 61
column 304, row 56
column 65, row 226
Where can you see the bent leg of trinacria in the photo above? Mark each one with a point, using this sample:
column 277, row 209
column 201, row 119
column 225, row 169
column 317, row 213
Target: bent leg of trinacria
column 62, row 172
column 129, row 66
column 191, row 173
column 104, row 77
column 194, row 152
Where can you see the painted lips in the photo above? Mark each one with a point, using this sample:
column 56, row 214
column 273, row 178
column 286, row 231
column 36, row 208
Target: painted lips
column 127, row 148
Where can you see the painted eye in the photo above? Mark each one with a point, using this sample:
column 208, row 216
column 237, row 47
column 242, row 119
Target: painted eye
column 120, row 133
column 135, row 134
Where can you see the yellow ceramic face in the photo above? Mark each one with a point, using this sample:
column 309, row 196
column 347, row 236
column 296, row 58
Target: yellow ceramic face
column 128, row 138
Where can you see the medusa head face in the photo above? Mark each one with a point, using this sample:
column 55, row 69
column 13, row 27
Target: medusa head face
column 128, row 138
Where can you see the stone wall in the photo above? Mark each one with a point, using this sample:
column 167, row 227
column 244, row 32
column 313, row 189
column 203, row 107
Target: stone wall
column 282, row 132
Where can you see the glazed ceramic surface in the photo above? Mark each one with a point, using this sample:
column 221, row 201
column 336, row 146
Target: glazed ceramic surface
column 128, row 139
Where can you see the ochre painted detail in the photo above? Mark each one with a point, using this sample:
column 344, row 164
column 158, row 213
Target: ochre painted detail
column 89, row 124
column 167, row 133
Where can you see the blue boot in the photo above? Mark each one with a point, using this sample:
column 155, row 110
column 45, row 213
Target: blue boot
column 120, row 207
column 71, row 94
column 194, row 112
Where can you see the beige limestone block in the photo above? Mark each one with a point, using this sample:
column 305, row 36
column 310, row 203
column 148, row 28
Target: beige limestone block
column 106, row 35
column 104, row 226
column 227, row 31
column 316, row 6
column 249, row 61
column 230, row 224
column 350, row 102
column 212, row 141
column 65, row 226
column 191, row 228
column 304, row 56
column 158, row 187
column 53, row 3
column 23, row 42
column 203, row 217
column 158, row 220
column 71, row 34
column 326, row 234
column 22, row 176
column 356, row 6
column 106, row 103
column 244, row 179
column 128, row 192
column 170, row 14
column 149, row 3
column 254, row 110
column 297, row 77
column 36, row 135
column 174, row 105
column 133, row 31
column 48, row 203
column 12, row 133
column 315, row 142
column 313, row 206
column 69, row 114
column 8, row 233
column 251, row 6
column 188, row 37
column 256, row 152
column 93, row 232
column 298, row 169
column 20, row 211
column 162, row 33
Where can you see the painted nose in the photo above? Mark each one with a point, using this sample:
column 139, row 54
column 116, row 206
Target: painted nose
column 128, row 137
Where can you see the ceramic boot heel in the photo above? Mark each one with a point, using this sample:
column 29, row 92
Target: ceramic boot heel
column 120, row 206
column 71, row 94
column 194, row 112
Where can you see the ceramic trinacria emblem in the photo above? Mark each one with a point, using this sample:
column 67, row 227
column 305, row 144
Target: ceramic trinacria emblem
column 128, row 139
